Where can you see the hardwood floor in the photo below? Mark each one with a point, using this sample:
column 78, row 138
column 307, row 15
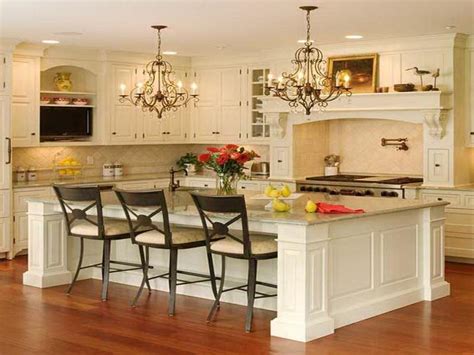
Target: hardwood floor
column 34, row 321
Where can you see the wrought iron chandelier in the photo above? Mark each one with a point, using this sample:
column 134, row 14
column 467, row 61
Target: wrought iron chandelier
column 308, row 85
column 159, row 92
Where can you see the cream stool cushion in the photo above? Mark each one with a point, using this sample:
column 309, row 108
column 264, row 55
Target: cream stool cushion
column 260, row 244
column 112, row 227
column 179, row 236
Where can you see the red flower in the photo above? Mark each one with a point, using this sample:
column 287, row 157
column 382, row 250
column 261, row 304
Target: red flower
column 212, row 149
column 204, row 158
column 244, row 157
column 231, row 147
column 222, row 159
column 235, row 156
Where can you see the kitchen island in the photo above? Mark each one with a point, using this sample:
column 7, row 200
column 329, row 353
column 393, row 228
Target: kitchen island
column 332, row 270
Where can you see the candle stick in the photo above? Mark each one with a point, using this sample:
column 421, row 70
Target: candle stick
column 280, row 81
column 270, row 80
column 122, row 89
column 300, row 79
column 338, row 81
column 180, row 86
column 193, row 89
column 347, row 81
column 139, row 88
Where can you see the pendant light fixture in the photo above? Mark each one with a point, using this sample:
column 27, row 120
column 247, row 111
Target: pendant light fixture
column 159, row 92
column 308, row 85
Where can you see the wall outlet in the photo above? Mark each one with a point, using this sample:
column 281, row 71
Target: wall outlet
column 90, row 160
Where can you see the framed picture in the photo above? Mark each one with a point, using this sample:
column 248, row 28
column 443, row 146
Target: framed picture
column 361, row 69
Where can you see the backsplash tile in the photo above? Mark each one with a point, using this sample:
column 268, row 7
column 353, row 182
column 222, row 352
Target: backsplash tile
column 137, row 159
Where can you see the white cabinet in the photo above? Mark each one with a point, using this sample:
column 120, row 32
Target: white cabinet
column 143, row 184
column 4, row 235
column 25, row 101
column 5, row 143
column 218, row 115
column 130, row 125
column 280, row 163
column 199, row 182
column 438, row 167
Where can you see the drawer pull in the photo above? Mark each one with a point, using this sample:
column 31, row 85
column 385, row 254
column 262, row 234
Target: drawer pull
column 440, row 199
column 279, row 161
column 437, row 165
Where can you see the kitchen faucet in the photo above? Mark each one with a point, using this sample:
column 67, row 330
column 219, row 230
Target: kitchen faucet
column 174, row 185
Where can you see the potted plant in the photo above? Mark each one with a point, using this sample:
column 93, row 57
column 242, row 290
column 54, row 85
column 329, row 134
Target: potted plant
column 228, row 163
column 190, row 162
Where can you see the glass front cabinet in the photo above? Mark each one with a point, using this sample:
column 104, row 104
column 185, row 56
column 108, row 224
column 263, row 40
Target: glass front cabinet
column 259, row 128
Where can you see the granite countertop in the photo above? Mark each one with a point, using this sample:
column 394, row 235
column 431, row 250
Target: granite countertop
column 127, row 177
column 469, row 187
column 180, row 203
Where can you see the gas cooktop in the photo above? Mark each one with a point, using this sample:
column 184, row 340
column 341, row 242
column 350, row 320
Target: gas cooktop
column 389, row 180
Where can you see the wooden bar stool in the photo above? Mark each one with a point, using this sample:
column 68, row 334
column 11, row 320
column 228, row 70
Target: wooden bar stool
column 140, row 207
column 247, row 247
column 76, row 202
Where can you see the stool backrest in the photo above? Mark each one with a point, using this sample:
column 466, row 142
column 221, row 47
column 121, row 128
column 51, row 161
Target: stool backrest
column 68, row 195
column 210, row 207
column 155, row 199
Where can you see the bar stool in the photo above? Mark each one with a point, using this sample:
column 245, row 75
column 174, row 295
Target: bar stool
column 247, row 247
column 82, row 225
column 140, row 207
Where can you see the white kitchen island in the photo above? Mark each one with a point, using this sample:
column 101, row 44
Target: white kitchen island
column 332, row 270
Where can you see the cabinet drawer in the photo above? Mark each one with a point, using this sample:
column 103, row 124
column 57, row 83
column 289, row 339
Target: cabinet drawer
column 249, row 185
column 20, row 197
column 201, row 183
column 454, row 199
column 281, row 161
column 136, row 185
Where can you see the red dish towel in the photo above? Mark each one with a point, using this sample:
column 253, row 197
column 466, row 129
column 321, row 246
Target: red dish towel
column 328, row 208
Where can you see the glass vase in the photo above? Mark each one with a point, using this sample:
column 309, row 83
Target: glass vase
column 226, row 184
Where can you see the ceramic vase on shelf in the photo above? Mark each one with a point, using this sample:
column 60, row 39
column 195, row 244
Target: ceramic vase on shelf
column 63, row 81
column 228, row 163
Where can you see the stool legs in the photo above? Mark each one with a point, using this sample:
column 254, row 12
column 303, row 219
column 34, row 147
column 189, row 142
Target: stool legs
column 252, row 280
column 212, row 313
column 79, row 264
column 106, row 268
column 212, row 274
column 173, row 275
column 144, row 261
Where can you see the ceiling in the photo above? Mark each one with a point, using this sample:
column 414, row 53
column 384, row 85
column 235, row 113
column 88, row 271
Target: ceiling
column 207, row 27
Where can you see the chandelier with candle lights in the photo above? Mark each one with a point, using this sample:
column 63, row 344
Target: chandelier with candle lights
column 159, row 92
column 308, row 85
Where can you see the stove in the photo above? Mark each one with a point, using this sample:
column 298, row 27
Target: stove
column 358, row 185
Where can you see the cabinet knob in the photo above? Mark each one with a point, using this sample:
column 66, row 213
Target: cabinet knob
column 437, row 165
column 279, row 161
column 440, row 199
column 114, row 133
column 33, row 133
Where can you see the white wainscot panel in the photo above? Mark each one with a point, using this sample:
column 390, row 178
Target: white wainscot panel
column 316, row 265
column 54, row 240
column 352, row 265
column 289, row 291
column 399, row 254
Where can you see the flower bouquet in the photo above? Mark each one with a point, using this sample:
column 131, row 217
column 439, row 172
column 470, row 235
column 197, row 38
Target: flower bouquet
column 228, row 163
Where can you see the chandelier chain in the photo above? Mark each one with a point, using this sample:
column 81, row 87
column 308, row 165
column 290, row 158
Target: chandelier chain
column 308, row 27
column 158, row 56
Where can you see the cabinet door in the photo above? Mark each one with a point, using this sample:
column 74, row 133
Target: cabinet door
column 3, row 73
column 229, row 126
column 25, row 112
column 5, row 143
column 281, row 161
column 207, row 110
column 438, row 165
column 4, row 235
column 136, row 185
column 173, row 126
column 152, row 127
column 20, row 232
column 123, row 120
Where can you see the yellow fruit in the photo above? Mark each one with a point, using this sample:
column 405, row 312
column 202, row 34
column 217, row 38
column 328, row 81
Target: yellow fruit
column 285, row 191
column 275, row 193
column 280, row 206
column 310, row 207
column 268, row 190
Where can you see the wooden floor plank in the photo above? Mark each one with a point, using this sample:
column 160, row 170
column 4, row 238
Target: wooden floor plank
column 34, row 321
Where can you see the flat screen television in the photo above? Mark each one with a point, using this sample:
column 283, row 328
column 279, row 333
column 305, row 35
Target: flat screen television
column 65, row 123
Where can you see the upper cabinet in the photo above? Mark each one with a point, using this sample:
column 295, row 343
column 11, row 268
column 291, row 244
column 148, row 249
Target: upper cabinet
column 130, row 124
column 218, row 115
column 25, row 101
column 258, row 127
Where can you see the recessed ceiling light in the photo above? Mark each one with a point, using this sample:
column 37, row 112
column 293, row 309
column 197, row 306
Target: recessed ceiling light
column 450, row 27
column 50, row 41
column 354, row 37
column 304, row 41
column 67, row 33
column 170, row 53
